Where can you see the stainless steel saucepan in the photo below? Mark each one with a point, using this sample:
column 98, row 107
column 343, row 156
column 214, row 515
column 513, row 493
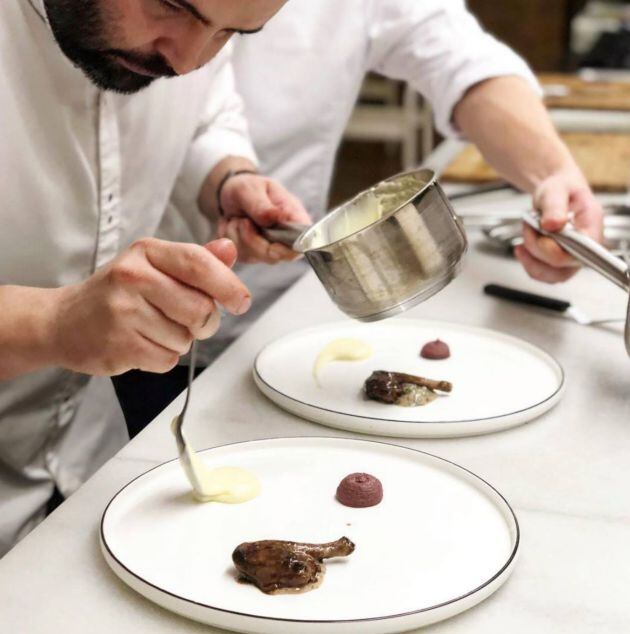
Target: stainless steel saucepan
column 386, row 250
column 593, row 255
column 400, row 242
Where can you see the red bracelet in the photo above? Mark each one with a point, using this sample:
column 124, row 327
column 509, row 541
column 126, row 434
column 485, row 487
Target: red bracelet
column 229, row 174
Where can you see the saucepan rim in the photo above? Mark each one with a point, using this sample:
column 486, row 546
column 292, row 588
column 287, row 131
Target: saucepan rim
column 431, row 180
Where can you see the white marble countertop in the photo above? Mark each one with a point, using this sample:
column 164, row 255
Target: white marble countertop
column 566, row 474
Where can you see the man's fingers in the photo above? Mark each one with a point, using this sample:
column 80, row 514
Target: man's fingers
column 211, row 326
column 194, row 314
column 168, row 334
column 281, row 253
column 232, row 233
column 224, row 249
column 221, row 228
column 180, row 303
column 249, row 197
column 546, row 249
column 539, row 270
column 563, row 196
column 197, row 267
column 290, row 207
column 154, row 357
column 262, row 248
column 265, row 201
column 259, row 248
column 553, row 204
column 255, row 245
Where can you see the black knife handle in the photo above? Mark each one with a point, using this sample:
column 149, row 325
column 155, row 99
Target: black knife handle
column 523, row 297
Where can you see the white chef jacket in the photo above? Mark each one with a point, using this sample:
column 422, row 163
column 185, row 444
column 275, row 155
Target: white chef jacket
column 300, row 78
column 83, row 173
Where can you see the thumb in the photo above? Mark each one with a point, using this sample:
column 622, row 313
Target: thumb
column 553, row 203
column 224, row 250
column 588, row 214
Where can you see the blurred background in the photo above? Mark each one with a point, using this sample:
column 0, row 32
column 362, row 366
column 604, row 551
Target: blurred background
column 563, row 40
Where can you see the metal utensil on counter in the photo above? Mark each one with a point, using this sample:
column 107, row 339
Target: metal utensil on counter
column 484, row 188
column 387, row 249
column 558, row 306
column 593, row 255
column 505, row 235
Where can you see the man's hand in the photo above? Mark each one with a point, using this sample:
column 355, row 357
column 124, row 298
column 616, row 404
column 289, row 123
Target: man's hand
column 564, row 195
column 144, row 309
column 506, row 119
column 250, row 201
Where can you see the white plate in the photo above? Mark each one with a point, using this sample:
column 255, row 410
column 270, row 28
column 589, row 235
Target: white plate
column 499, row 381
column 440, row 542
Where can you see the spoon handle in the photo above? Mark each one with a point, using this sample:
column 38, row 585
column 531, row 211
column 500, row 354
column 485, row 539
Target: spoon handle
column 284, row 233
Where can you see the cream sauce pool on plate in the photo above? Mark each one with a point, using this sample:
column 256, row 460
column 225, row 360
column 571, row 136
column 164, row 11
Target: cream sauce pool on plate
column 341, row 350
column 228, row 485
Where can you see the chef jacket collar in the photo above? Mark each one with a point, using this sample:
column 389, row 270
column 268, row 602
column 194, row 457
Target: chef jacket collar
column 40, row 8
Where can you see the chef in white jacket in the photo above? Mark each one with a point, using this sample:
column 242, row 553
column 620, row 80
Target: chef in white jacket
column 99, row 138
column 309, row 65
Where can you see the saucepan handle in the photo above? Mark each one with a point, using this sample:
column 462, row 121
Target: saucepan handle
column 284, row 233
column 587, row 251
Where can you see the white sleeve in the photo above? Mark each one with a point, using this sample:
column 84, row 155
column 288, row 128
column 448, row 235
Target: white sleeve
column 440, row 49
column 222, row 130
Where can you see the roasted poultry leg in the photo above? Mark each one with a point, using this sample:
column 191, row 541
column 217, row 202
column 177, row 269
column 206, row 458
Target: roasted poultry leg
column 275, row 565
column 403, row 389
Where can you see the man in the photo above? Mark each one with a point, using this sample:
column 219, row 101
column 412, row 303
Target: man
column 95, row 146
column 315, row 54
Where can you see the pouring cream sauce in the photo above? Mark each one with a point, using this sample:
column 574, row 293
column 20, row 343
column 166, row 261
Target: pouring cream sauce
column 341, row 350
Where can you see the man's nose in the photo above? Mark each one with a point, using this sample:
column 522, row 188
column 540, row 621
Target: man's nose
column 188, row 49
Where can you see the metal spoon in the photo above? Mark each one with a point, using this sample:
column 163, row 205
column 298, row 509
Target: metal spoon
column 177, row 427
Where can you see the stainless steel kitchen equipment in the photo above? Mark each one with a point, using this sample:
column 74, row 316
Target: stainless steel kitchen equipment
column 552, row 305
column 593, row 255
column 183, row 447
column 506, row 231
column 387, row 249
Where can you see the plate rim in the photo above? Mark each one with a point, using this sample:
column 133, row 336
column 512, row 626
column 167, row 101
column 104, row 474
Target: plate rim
column 488, row 583
column 554, row 395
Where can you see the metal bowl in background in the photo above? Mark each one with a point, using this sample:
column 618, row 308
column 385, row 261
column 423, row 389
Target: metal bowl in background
column 507, row 234
column 592, row 254
column 389, row 248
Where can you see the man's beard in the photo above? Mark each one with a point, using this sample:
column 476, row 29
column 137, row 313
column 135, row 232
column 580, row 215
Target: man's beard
column 81, row 30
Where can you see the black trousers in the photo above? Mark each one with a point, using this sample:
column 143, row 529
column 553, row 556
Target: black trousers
column 143, row 395
column 55, row 501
